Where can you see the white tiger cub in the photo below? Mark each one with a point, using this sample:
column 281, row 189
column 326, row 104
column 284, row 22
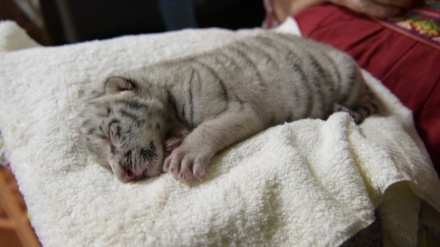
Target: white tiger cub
column 187, row 110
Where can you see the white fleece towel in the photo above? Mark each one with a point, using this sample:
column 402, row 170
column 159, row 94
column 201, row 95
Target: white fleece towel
column 306, row 183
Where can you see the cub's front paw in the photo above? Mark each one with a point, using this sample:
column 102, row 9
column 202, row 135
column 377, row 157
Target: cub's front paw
column 186, row 164
column 175, row 138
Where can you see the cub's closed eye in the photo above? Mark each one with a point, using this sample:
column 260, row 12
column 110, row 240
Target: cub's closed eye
column 148, row 154
column 111, row 145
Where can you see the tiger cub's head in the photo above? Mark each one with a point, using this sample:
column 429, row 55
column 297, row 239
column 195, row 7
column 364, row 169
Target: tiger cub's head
column 123, row 128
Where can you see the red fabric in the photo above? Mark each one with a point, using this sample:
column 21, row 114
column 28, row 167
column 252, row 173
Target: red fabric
column 410, row 69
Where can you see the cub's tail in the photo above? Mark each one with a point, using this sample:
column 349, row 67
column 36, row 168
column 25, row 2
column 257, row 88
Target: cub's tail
column 361, row 101
column 370, row 107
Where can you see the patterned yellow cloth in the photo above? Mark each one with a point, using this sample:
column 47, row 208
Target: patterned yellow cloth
column 421, row 23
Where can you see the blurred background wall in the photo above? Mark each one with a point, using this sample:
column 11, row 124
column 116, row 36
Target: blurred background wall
column 70, row 21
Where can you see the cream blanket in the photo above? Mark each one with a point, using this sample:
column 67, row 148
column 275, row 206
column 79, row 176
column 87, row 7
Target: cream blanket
column 306, row 183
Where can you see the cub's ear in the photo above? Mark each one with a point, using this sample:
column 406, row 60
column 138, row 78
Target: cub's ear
column 118, row 84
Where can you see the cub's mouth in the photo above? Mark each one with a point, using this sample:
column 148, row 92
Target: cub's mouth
column 134, row 163
column 131, row 175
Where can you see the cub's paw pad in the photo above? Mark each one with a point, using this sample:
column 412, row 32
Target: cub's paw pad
column 186, row 165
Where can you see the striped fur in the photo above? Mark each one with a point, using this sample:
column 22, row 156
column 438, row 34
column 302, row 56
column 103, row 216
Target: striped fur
column 218, row 97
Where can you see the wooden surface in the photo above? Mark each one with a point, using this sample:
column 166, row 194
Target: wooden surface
column 15, row 229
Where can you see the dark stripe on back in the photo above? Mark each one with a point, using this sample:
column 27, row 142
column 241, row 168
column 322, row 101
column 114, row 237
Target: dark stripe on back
column 296, row 62
column 232, row 94
column 306, row 60
column 325, row 66
column 221, row 83
column 309, row 99
column 249, row 61
column 319, row 79
column 229, row 58
column 270, row 42
column 191, row 103
column 299, row 63
column 256, row 46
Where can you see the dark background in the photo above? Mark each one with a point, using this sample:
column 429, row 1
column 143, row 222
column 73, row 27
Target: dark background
column 70, row 21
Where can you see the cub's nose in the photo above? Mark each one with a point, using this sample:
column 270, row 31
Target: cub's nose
column 129, row 175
